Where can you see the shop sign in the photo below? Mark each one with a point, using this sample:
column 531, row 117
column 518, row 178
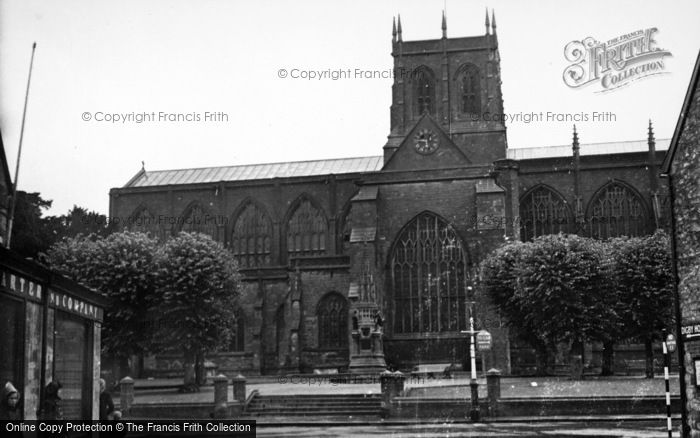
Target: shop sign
column 21, row 285
column 74, row 305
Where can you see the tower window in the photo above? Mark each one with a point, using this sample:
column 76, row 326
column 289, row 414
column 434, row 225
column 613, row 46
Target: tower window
column 470, row 90
column 425, row 91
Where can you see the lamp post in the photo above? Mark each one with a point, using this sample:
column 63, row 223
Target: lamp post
column 474, row 412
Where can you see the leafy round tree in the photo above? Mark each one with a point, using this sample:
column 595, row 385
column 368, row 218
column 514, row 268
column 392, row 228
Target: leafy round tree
column 644, row 283
column 122, row 267
column 555, row 289
column 198, row 284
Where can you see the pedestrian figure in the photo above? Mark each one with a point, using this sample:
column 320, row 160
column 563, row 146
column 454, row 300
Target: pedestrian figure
column 107, row 412
column 9, row 403
column 51, row 408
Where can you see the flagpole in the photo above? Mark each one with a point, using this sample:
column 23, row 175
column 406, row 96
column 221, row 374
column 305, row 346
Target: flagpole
column 13, row 201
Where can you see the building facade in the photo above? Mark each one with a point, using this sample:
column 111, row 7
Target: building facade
column 50, row 329
column 407, row 229
column 682, row 166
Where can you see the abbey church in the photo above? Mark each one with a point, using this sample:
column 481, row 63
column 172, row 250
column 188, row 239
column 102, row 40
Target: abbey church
column 361, row 263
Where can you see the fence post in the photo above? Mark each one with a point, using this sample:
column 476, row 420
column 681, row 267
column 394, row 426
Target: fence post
column 220, row 396
column 493, row 390
column 126, row 394
column 239, row 388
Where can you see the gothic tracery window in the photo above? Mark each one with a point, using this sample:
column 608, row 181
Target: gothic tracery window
column 616, row 211
column 252, row 237
column 143, row 221
column 542, row 212
column 332, row 322
column 425, row 91
column 307, row 231
column 196, row 220
column 429, row 277
column 470, row 90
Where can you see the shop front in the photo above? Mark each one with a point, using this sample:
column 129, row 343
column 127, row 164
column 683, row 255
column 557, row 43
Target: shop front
column 50, row 330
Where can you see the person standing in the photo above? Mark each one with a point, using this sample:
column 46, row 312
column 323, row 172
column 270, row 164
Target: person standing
column 107, row 412
column 51, row 408
column 9, row 403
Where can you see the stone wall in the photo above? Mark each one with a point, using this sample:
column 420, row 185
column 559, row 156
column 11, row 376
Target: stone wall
column 685, row 173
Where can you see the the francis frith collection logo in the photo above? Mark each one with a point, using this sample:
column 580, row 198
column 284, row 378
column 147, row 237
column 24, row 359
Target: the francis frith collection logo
column 616, row 62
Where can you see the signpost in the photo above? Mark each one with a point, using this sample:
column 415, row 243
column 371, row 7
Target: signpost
column 671, row 343
column 484, row 340
column 666, row 348
column 474, row 413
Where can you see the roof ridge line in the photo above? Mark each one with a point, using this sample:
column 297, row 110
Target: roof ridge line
column 263, row 164
column 589, row 144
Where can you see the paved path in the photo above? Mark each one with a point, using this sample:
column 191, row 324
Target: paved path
column 626, row 429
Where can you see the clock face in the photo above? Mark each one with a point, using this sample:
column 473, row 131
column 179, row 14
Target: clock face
column 426, row 141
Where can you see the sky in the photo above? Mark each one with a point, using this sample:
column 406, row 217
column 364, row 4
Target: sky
column 222, row 57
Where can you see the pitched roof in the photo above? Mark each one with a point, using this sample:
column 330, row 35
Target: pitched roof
column 668, row 160
column 149, row 178
column 617, row 147
column 153, row 178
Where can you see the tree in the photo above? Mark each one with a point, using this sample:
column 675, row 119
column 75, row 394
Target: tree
column 555, row 289
column 122, row 266
column 31, row 232
column 80, row 220
column 644, row 282
column 198, row 283
column 499, row 282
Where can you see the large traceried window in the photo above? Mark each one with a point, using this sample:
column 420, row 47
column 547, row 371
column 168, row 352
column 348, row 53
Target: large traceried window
column 429, row 277
column 470, row 90
column 332, row 315
column 251, row 240
column 197, row 220
column 616, row 211
column 543, row 211
column 143, row 221
column 424, row 91
column 307, row 231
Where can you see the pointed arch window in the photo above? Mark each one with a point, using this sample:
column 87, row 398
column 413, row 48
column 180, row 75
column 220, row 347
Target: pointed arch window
column 197, row 220
column 143, row 221
column 617, row 211
column 424, row 91
column 251, row 241
column 429, row 277
column 332, row 315
column 542, row 212
column 307, row 231
column 470, row 90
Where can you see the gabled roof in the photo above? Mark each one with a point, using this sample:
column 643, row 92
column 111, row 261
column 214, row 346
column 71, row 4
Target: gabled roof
column 446, row 155
column 145, row 178
column 337, row 166
column 668, row 160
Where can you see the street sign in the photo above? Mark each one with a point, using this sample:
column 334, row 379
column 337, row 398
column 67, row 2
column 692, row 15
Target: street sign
column 690, row 331
column 671, row 343
column 484, row 340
